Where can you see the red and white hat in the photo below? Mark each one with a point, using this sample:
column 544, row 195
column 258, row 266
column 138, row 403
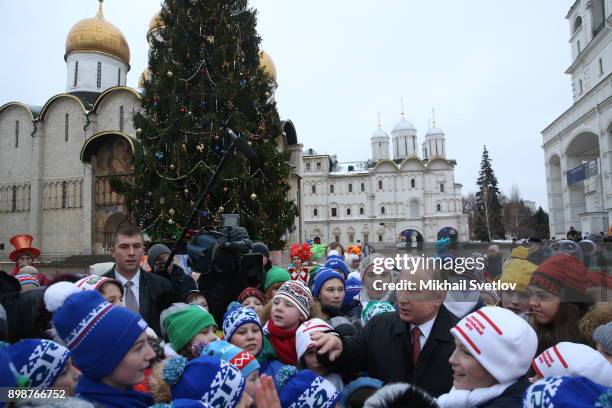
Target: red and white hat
column 572, row 359
column 502, row 342
column 93, row 282
column 302, row 335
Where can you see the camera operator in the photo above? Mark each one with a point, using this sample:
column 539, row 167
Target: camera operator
column 226, row 265
column 157, row 256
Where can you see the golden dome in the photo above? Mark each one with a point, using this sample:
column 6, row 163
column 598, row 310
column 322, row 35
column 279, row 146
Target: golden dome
column 97, row 35
column 156, row 22
column 144, row 76
column 267, row 65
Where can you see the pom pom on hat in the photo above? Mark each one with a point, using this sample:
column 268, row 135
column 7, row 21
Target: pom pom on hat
column 233, row 306
column 56, row 295
column 283, row 375
column 174, row 369
column 304, row 389
column 603, row 335
column 333, row 252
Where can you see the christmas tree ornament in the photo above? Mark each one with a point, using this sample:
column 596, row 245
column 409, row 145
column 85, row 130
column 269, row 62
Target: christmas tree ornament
column 183, row 110
column 170, row 221
column 221, row 209
column 225, row 189
column 186, row 191
column 203, row 104
column 138, row 131
column 171, row 212
column 253, row 196
column 210, row 39
column 172, row 167
column 159, row 155
column 170, row 74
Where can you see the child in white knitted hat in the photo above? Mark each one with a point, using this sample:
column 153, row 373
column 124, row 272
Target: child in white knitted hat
column 494, row 348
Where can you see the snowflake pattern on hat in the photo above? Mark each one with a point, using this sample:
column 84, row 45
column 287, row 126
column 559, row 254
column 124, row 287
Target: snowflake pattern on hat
column 226, row 388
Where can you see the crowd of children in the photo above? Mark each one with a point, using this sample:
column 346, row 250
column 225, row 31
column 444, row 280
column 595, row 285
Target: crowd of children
column 321, row 333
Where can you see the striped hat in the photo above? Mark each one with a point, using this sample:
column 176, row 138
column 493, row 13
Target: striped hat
column 493, row 335
column 572, row 359
column 97, row 333
column 27, row 279
column 242, row 360
column 298, row 294
column 95, row 282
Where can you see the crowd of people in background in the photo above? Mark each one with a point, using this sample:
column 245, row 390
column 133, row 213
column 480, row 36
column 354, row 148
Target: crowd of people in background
column 317, row 332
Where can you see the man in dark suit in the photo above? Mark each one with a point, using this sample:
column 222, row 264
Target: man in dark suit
column 144, row 292
column 411, row 345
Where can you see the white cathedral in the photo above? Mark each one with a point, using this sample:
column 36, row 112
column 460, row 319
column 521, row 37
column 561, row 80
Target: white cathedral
column 408, row 199
column 56, row 160
column 578, row 144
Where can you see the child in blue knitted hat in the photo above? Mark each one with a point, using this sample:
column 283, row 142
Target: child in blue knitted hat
column 207, row 379
column 242, row 328
column 304, row 389
column 47, row 364
column 107, row 342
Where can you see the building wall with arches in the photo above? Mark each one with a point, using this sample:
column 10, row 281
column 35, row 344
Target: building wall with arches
column 583, row 133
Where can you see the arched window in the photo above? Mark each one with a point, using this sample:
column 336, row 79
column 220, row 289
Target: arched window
column 348, row 211
column 441, row 187
column 382, row 210
column 350, row 188
column 425, row 153
column 16, row 134
column 580, row 86
column 577, row 24
column 361, row 210
column 438, row 207
column 412, row 183
column 380, row 184
column 66, row 125
column 76, row 72
column 414, row 209
column 307, row 166
column 315, row 213
column 121, row 111
column 119, row 77
column 99, row 75
column 362, row 187
column 331, row 188
column 314, row 189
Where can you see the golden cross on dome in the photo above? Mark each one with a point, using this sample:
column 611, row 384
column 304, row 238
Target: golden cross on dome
column 433, row 113
column 379, row 120
column 402, row 102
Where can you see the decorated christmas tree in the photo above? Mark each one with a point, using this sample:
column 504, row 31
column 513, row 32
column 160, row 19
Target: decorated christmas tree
column 205, row 76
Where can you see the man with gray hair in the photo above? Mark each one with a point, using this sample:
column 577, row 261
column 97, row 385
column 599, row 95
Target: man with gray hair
column 412, row 344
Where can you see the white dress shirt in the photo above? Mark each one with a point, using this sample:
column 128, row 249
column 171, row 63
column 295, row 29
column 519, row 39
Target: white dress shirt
column 135, row 287
column 425, row 330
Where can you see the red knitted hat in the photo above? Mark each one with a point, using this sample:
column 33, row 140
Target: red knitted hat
column 252, row 292
column 561, row 271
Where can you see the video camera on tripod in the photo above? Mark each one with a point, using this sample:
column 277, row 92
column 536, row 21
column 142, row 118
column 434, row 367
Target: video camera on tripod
column 226, row 251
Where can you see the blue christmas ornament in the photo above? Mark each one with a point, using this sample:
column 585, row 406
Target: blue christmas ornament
column 243, row 82
column 159, row 155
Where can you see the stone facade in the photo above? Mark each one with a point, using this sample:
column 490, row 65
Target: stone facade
column 583, row 133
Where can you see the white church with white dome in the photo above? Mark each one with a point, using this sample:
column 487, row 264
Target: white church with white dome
column 403, row 199
column 57, row 160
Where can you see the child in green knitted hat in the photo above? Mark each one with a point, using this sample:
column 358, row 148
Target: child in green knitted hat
column 275, row 278
column 190, row 330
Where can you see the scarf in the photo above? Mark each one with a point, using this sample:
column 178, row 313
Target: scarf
column 468, row 399
column 365, row 299
column 283, row 341
column 111, row 397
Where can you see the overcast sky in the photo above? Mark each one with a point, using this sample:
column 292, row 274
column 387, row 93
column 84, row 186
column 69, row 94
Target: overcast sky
column 492, row 69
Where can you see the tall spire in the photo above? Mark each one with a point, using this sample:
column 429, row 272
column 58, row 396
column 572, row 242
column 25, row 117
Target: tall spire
column 379, row 125
column 433, row 113
column 402, row 102
column 100, row 14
